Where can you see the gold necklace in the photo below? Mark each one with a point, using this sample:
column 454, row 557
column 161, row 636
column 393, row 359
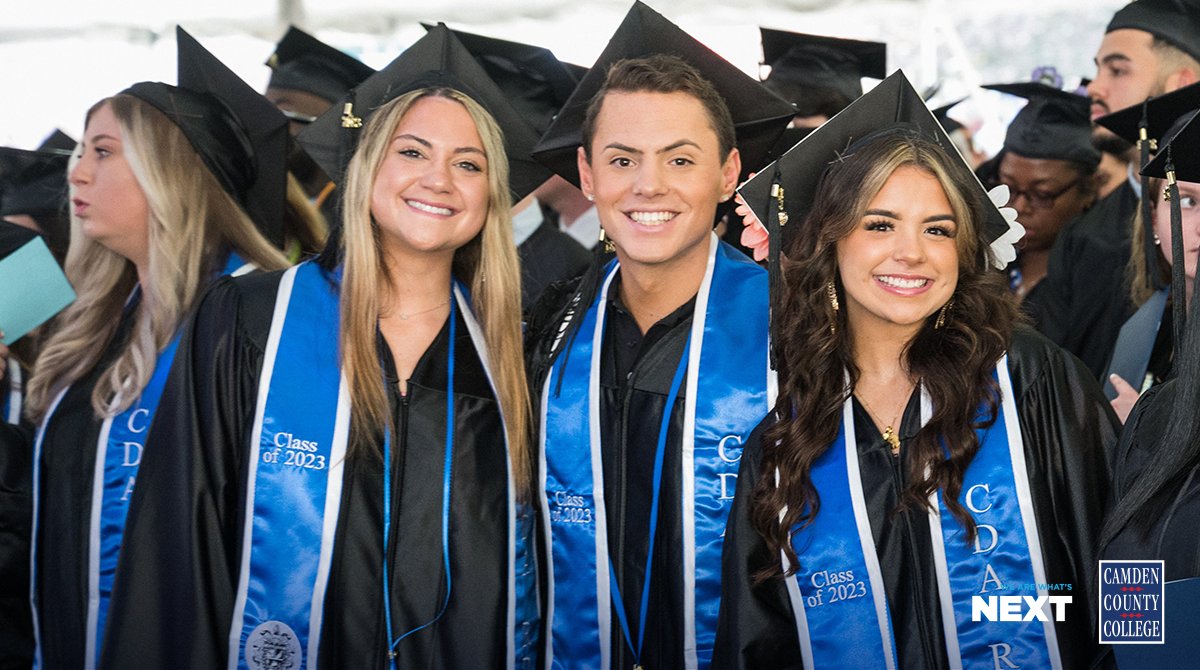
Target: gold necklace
column 406, row 317
column 890, row 435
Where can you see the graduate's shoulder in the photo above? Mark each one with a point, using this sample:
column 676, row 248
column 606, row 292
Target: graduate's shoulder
column 1048, row 378
column 1031, row 355
column 243, row 304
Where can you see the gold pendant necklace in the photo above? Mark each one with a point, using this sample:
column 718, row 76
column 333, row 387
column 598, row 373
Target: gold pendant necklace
column 890, row 435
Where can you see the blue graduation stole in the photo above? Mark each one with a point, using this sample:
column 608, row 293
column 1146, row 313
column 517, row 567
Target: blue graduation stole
column 726, row 397
column 294, row 483
column 118, row 455
column 838, row 596
column 10, row 405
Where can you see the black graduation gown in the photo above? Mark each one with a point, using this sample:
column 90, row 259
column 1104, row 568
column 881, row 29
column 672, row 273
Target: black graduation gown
column 177, row 578
column 1172, row 535
column 1067, row 427
column 631, row 411
column 1083, row 300
column 67, row 468
column 16, row 509
column 547, row 256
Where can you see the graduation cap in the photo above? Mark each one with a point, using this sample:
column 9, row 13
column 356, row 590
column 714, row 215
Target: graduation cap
column 817, row 61
column 1174, row 21
column 1156, row 115
column 1054, row 125
column 240, row 136
column 1178, row 159
column 437, row 59
column 942, row 114
column 535, row 83
column 302, row 62
column 13, row 237
column 35, row 182
column 893, row 103
column 759, row 116
column 1145, row 124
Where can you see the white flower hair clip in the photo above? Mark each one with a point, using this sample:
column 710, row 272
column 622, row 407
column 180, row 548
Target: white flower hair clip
column 1004, row 248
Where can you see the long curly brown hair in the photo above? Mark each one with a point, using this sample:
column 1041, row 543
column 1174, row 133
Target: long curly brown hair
column 954, row 362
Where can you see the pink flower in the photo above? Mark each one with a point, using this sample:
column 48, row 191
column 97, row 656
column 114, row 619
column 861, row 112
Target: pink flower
column 754, row 235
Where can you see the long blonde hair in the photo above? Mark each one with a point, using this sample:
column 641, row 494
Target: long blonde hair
column 1137, row 275
column 192, row 219
column 487, row 265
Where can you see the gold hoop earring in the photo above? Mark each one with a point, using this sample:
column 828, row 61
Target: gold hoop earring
column 941, row 319
column 831, row 291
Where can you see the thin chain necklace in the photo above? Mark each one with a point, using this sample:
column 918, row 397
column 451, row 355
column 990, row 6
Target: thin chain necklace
column 406, row 317
column 890, row 434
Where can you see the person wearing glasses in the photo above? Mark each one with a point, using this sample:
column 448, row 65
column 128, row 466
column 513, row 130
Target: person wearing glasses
column 1049, row 165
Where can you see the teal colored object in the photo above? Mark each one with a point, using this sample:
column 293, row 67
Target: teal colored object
column 33, row 289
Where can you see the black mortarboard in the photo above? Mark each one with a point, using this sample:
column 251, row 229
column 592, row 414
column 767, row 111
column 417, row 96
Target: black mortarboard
column 35, row 182
column 534, row 82
column 1178, row 158
column 1054, row 124
column 1175, row 21
column 13, row 237
column 1157, row 114
column 759, row 116
column 1179, row 147
column 814, row 61
column 1145, row 124
column 302, row 62
column 437, row 59
column 241, row 137
column 578, row 72
column 892, row 103
column 942, row 114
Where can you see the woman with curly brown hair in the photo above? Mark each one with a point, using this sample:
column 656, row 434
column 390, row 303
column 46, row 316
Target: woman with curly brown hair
column 925, row 448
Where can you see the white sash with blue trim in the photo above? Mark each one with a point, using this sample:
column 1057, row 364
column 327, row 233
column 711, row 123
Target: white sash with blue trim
column 837, row 595
column 118, row 456
column 294, row 484
column 727, row 395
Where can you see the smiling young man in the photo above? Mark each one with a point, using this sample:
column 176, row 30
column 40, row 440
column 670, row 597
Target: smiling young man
column 653, row 369
column 1150, row 47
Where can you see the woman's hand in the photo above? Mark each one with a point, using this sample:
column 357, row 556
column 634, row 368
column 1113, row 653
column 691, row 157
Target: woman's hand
column 1126, row 397
column 3, row 358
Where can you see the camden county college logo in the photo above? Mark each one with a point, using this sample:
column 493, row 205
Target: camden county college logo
column 1131, row 602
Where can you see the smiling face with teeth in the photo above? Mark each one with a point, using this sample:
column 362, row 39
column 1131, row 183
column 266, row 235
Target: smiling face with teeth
column 430, row 194
column 657, row 174
column 900, row 264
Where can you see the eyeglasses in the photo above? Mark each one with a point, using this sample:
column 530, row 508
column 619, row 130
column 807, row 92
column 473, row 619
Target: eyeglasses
column 1041, row 199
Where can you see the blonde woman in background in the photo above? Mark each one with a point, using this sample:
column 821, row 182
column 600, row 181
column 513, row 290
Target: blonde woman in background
column 161, row 206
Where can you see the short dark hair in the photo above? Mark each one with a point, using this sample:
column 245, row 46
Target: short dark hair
column 1172, row 58
column 661, row 73
column 809, row 100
